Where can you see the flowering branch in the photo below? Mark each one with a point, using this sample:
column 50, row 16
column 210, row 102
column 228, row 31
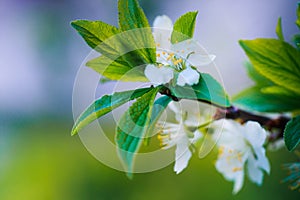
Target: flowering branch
column 235, row 113
column 173, row 65
column 244, row 116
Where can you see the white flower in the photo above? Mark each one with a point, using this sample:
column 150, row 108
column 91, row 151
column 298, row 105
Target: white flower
column 188, row 76
column 183, row 133
column 240, row 147
column 179, row 57
column 178, row 135
column 159, row 75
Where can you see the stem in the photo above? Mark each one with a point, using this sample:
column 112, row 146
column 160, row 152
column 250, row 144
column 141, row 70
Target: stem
column 243, row 116
column 277, row 124
column 236, row 113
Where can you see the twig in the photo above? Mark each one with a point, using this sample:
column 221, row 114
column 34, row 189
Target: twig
column 277, row 124
column 244, row 116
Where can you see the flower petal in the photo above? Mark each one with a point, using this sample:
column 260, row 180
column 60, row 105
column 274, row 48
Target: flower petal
column 255, row 134
column 193, row 112
column 183, row 155
column 158, row 75
column 163, row 22
column 262, row 160
column 175, row 107
column 197, row 59
column 254, row 172
column 230, row 129
column 238, row 182
column 197, row 135
column 188, row 76
column 197, row 55
column 162, row 30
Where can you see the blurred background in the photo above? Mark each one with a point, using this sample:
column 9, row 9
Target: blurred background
column 39, row 57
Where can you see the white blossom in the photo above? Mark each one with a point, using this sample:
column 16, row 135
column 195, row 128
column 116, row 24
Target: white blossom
column 182, row 58
column 185, row 132
column 241, row 148
column 188, row 76
column 158, row 75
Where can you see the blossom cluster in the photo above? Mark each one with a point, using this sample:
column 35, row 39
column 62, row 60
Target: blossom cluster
column 240, row 146
column 177, row 62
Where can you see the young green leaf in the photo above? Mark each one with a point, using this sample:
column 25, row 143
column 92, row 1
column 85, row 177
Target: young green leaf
column 292, row 133
column 95, row 33
column 276, row 60
column 117, row 70
column 279, row 30
column 127, row 48
column 296, row 40
column 104, row 105
column 253, row 99
column 277, row 90
column 132, row 128
column 184, row 27
column 132, row 17
column 257, row 77
column 208, row 89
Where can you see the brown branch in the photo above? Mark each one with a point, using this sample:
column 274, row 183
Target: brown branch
column 277, row 124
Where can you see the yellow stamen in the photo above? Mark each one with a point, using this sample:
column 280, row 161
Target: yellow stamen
column 221, row 150
column 236, row 169
column 239, row 157
column 158, row 45
column 158, row 55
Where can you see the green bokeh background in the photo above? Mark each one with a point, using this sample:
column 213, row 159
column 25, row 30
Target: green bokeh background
column 45, row 163
column 39, row 160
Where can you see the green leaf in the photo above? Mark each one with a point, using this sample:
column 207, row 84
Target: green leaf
column 279, row 30
column 95, row 33
column 292, row 133
column 132, row 128
column 257, row 77
column 298, row 15
column 276, row 60
column 277, row 90
column 184, row 27
column 109, row 41
column 117, row 70
column 253, row 99
column 122, row 47
column 132, row 17
column 296, row 40
column 104, row 105
column 208, row 89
